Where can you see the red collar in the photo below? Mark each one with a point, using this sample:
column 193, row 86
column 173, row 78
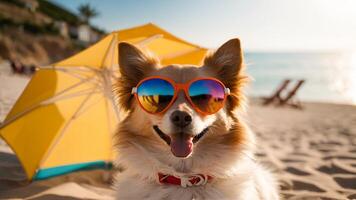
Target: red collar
column 184, row 181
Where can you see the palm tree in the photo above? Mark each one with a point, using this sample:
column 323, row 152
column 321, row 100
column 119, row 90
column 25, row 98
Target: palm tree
column 87, row 12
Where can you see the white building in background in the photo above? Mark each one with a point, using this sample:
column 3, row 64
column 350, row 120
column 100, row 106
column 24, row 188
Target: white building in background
column 86, row 34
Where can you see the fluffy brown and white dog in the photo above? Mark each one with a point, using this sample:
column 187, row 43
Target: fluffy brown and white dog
column 220, row 161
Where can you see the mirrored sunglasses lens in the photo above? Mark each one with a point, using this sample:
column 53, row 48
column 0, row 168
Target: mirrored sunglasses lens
column 155, row 94
column 207, row 95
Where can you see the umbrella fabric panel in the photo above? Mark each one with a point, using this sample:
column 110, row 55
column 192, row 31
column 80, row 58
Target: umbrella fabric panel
column 86, row 136
column 164, row 47
column 43, row 85
column 32, row 135
column 91, row 57
column 147, row 30
column 170, row 52
column 194, row 57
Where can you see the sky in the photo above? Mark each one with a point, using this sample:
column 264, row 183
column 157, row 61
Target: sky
column 261, row 25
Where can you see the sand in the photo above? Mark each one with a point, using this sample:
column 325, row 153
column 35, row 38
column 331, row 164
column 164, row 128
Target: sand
column 312, row 152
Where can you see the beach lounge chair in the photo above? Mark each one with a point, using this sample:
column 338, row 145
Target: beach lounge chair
column 277, row 93
column 289, row 98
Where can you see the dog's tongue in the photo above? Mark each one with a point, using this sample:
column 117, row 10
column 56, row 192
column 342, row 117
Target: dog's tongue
column 182, row 145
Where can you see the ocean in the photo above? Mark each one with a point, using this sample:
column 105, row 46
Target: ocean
column 330, row 77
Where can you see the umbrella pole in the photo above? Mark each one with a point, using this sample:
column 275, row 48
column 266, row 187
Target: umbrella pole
column 107, row 74
column 108, row 91
column 148, row 40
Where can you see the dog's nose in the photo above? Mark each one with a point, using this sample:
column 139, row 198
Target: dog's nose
column 180, row 118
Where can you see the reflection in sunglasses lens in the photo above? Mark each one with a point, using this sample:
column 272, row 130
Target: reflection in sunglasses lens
column 207, row 95
column 155, row 94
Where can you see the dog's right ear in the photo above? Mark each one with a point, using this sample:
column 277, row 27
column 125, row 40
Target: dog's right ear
column 134, row 66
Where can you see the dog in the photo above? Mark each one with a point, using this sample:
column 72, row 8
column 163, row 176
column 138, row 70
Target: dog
column 183, row 150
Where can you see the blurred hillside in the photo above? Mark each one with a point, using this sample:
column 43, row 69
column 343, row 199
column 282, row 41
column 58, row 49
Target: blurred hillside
column 40, row 32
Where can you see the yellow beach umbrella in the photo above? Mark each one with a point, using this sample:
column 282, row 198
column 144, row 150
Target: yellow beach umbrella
column 65, row 119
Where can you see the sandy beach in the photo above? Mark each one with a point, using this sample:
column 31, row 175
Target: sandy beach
column 312, row 151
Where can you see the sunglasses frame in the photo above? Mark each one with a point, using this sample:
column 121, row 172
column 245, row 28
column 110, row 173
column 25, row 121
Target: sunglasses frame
column 178, row 87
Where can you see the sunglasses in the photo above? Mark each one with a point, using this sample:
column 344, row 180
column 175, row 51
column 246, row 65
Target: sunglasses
column 156, row 94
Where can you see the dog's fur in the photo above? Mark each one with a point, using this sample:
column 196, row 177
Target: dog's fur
column 225, row 152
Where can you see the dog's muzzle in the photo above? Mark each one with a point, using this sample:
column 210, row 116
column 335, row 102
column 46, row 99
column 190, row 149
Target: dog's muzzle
column 181, row 143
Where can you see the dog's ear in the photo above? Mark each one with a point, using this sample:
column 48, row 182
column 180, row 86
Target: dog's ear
column 227, row 60
column 134, row 66
column 226, row 64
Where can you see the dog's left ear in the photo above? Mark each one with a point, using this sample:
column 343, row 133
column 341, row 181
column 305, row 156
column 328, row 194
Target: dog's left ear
column 226, row 64
column 226, row 61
